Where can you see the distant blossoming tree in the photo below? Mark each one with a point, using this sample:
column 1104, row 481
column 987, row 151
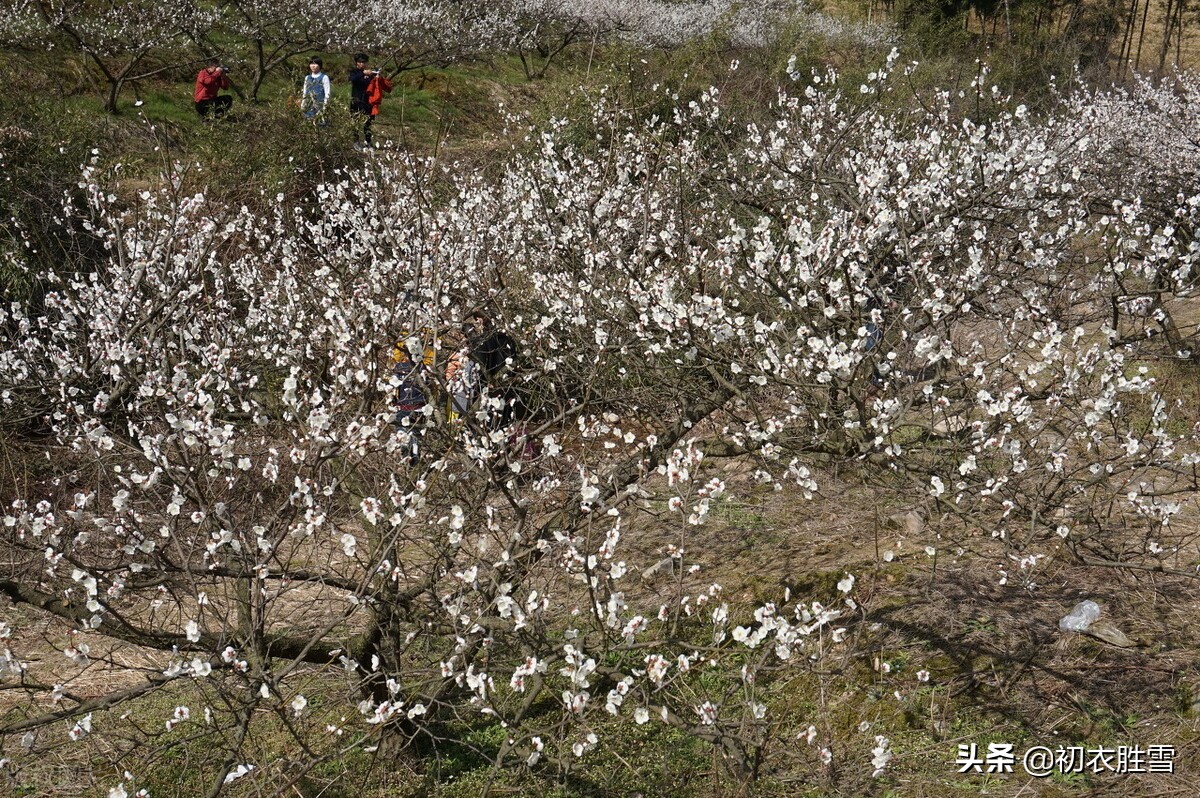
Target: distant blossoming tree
column 118, row 38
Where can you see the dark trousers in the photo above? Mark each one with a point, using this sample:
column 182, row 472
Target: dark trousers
column 215, row 107
column 410, row 421
column 364, row 108
column 366, row 128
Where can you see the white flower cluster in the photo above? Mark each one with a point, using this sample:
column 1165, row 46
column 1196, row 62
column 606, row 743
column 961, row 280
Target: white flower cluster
column 657, row 23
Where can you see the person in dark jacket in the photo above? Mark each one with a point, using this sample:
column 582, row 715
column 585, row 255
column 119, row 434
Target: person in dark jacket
column 209, row 82
column 491, row 347
column 360, row 80
column 496, row 353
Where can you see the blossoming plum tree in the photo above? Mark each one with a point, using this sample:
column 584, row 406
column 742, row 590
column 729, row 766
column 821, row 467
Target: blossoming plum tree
column 435, row 32
column 276, row 30
column 548, row 27
column 118, row 38
column 877, row 284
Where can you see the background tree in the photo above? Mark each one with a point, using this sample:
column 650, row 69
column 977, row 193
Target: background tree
column 127, row 42
column 277, row 30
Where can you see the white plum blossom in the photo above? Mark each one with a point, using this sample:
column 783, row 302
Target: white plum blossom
column 881, row 754
column 238, row 772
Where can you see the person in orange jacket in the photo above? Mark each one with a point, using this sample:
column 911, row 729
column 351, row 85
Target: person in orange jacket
column 462, row 373
column 367, row 87
column 209, row 82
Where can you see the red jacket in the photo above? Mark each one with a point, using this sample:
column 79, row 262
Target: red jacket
column 208, row 83
column 375, row 91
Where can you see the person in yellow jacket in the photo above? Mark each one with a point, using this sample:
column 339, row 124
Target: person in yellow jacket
column 409, row 384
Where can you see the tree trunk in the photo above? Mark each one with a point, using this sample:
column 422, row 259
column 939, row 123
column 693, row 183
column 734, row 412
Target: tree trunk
column 1127, row 40
column 1137, row 62
column 114, row 89
column 1168, row 20
column 1181, row 10
column 260, row 70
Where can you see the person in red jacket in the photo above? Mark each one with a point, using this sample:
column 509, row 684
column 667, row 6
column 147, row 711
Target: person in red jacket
column 209, row 82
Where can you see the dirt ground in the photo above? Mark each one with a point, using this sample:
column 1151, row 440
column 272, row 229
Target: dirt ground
column 999, row 669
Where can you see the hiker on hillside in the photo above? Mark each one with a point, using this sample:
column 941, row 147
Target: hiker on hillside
column 314, row 95
column 409, row 399
column 492, row 348
column 209, row 82
column 367, row 87
column 495, row 352
column 462, row 373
